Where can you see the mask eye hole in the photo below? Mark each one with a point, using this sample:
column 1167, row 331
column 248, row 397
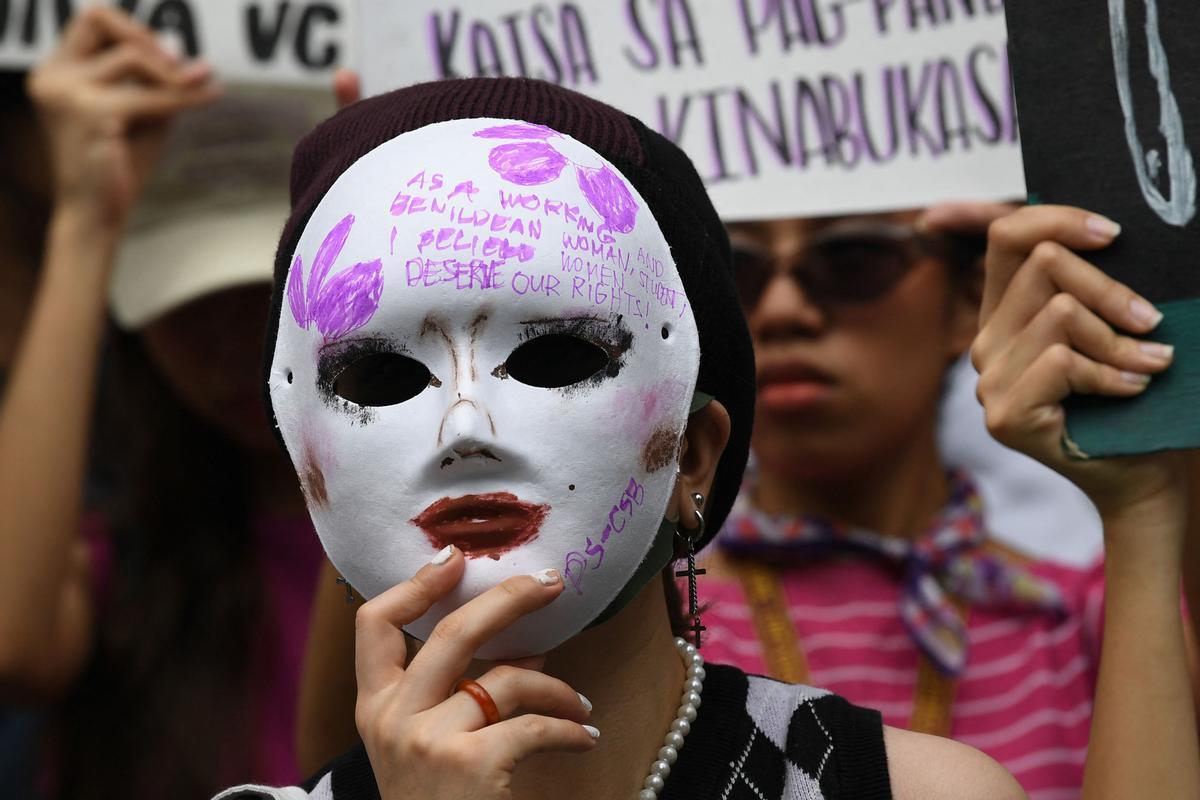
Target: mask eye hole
column 381, row 379
column 556, row 360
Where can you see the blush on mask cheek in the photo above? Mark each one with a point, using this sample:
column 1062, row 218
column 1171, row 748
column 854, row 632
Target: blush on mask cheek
column 661, row 449
column 485, row 342
column 650, row 415
column 312, row 481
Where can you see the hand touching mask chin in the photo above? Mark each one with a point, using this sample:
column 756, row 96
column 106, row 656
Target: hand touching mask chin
column 485, row 342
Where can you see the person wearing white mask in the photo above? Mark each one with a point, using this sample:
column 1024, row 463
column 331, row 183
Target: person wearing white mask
column 507, row 362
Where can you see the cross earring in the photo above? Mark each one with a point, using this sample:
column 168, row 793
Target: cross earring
column 690, row 538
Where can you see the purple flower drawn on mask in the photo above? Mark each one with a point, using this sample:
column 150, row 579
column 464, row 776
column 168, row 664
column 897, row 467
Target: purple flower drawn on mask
column 532, row 163
column 347, row 301
column 527, row 163
column 607, row 193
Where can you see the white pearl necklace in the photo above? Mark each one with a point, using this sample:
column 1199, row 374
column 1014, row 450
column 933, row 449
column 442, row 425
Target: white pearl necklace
column 693, row 683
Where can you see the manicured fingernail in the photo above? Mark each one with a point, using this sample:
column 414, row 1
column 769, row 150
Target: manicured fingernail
column 1144, row 313
column 547, row 577
column 587, row 704
column 1102, row 227
column 1135, row 378
column 592, row 732
column 442, row 556
column 1162, row 352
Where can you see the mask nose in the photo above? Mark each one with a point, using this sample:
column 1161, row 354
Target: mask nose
column 466, row 434
column 466, row 426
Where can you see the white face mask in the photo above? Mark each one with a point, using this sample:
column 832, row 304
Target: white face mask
column 485, row 342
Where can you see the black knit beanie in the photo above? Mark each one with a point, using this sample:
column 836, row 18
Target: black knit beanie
column 662, row 173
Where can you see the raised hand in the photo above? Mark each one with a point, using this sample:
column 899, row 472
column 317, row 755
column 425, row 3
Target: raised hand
column 1053, row 324
column 105, row 98
column 347, row 88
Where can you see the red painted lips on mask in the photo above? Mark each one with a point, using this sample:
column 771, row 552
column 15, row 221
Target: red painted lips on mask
column 481, row 524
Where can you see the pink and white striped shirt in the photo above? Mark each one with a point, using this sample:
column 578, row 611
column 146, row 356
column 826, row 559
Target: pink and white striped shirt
column 1025, row 697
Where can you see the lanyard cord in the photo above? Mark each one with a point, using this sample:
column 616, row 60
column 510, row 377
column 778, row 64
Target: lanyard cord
column 933, row 697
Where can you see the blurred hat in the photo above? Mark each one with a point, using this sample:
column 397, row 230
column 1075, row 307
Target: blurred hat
column 167, row 265
column 210, row 216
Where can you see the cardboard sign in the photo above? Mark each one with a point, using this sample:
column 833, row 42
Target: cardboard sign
column 263, row 41
column 787, row 107
column 1110, row 121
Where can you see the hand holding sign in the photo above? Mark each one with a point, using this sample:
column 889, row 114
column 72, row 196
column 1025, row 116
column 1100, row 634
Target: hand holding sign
column 1052, row 324
column 105, row 98
column 1109, row 117
column 1048, row 320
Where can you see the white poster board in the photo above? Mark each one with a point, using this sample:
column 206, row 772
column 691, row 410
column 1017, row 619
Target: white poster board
column 787, row 107
column 261, row 41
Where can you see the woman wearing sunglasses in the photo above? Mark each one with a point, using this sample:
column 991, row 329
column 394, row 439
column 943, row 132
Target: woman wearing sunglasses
column 854, row 559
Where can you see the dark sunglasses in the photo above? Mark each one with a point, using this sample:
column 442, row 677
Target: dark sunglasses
column 847, row 265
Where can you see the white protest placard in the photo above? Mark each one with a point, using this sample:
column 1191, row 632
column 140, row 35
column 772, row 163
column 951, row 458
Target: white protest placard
column 261, row 41
column 787, row 107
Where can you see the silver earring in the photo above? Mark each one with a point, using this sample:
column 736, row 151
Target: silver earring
column 690, row 538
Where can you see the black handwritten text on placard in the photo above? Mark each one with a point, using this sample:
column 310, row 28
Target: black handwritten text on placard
column 918, row 15
column 25, row 20
column 246, row 39
column 920, row 109
column 794, row 23
column 547, row 42
column 781, row 104
column 663, row 31
column 299, row 22
column 805, row 23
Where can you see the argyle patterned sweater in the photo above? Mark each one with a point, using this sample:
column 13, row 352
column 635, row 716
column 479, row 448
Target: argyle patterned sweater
column 754, row 739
